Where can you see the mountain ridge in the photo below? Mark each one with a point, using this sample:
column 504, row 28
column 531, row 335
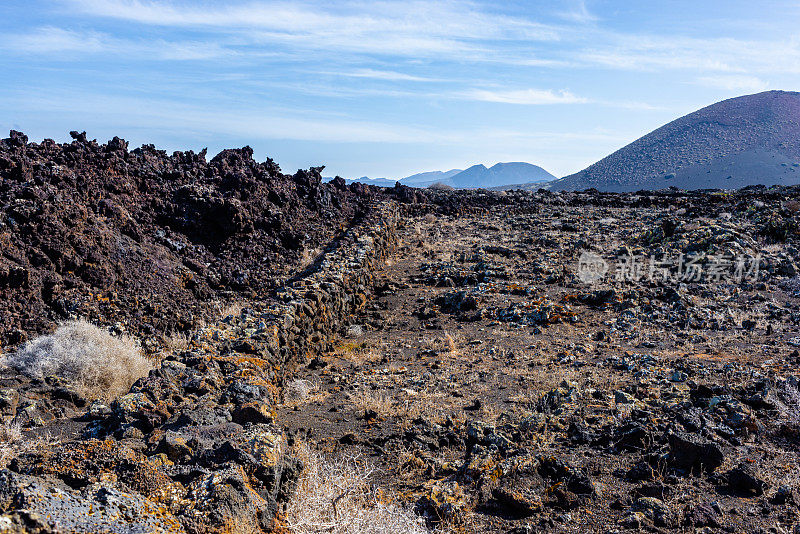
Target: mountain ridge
column 500, row 174
column 474, row 177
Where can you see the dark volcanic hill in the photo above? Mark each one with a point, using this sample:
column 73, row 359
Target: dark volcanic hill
column 753, row 139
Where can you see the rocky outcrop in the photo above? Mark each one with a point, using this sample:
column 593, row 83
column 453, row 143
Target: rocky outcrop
column 150, row 240
column 196, row 440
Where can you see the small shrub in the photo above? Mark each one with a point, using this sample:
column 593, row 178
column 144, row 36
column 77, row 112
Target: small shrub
column 336, row 496
column 786, row 397
column 177, row 342
column 10, row 436
column 445, row 344
column 13, row 443
column 93, row 362
column 308, row 257
column 231, row 309
column 451, row 344
column 367, row 401
column 299, row 392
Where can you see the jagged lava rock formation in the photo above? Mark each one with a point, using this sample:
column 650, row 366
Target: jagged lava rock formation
column 148, row 239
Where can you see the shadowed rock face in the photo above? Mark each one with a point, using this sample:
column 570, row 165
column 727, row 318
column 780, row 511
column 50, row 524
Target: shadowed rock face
column 748, row 140
column 146, row 238
column 193, row 447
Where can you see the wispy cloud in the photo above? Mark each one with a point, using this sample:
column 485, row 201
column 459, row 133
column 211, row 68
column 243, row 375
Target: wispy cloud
column 734, row 82
column 721, row 55
column 387, row 75
column 419, row 28
column 47, row 40
column 579, row 13
column 451, row 18
column 52, row 42
column 454, row 30
column 527, row 97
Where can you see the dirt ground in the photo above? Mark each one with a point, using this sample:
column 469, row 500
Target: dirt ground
column 495, row 391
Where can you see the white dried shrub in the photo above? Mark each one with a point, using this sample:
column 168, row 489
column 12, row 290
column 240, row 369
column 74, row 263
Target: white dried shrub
column 13, row 443
column 177, row 342
column 231, row 309
column 297, row 391
column 92, row 361
column 10, row 436
column 368, row 400
column 336, row 496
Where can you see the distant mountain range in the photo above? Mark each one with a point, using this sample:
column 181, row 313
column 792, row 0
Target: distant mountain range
column 748, row 140
column 477, row 176
column 424, row 179
column 753, row 139
column 499, row 175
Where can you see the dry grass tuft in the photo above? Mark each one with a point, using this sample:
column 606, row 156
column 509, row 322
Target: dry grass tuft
column 336, row 496
column 792, row 206
column 10, row 437
column 93, row 362
column 451, row 344
column 13, row 443
column 361, row 352
column 308, row 257
column 231, row 309
column 445, row 344
column 176, row 342
column 299, row 391
column 368, row 400
column 787, row 400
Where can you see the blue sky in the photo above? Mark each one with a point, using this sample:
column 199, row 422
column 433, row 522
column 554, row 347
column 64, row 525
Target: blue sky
column 385, row 88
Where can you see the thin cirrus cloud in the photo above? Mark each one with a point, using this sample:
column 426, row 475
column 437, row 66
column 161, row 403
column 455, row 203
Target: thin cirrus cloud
column 451, row 18
column 578, row 13
column 50, row 40
column 386, row 75
column 451, row 29
column 734, row 82
column 527, row 97
column 384, row 27
column 724, row 55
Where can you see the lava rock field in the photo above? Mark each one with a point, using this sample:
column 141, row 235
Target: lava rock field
column 450, row 339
